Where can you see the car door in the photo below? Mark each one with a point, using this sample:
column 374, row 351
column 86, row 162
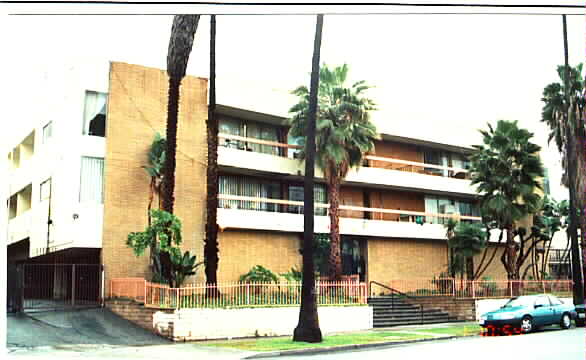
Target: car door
column 542, row 312
column 557, row 307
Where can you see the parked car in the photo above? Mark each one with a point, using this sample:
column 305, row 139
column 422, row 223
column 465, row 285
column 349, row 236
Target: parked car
column 526, row 313
column 580, row 310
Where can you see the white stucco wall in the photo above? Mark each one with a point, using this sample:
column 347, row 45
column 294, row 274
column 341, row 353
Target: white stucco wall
column 75, row 224
column 486, row 305
column 199, row 324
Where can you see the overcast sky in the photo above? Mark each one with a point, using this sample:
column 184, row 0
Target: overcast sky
column 437, row 77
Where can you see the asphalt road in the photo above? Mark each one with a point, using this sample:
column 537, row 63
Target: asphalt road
column 548, row 344
column 84, row 327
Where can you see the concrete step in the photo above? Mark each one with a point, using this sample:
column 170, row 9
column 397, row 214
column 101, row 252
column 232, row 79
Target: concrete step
column 408, row 313
column 382, row 324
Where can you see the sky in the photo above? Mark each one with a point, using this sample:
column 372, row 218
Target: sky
column 435, row 77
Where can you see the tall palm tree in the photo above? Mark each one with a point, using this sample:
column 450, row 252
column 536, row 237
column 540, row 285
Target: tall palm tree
column 507, row 169
column 180, row 44
column 569, row 131
column 211, row 240
column 308, row 326
column 344, row 134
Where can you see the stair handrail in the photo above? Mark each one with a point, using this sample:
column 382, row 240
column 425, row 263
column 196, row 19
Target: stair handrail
column 386, row 287
column 393, row 298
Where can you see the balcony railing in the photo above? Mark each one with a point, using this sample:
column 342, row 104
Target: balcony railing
column 281, row 149
column 284, row 206
column 415, row 167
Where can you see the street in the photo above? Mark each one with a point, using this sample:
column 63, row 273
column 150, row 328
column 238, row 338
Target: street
column 543, row 345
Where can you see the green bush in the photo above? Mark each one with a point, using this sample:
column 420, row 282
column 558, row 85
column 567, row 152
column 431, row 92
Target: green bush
column 258, row 274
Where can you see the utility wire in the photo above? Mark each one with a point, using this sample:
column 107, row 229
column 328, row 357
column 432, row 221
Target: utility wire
column 554, row 6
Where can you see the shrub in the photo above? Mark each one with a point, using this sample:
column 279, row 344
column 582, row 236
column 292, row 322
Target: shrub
column 258, row 273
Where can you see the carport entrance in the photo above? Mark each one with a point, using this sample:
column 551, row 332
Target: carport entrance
column 60, row 286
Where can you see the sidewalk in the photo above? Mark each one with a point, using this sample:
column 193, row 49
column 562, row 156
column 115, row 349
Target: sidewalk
column 205, row 349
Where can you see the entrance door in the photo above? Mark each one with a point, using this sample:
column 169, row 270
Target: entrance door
column 353, row 257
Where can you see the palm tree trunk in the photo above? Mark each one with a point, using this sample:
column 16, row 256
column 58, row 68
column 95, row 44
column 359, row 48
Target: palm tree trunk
column 169, row 167
column 335, row 259
column 511, row 263
column 308, row 326
column 211, row 241
column 170, row 161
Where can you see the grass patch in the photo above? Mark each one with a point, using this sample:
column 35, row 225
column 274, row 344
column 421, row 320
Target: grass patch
column 463, row 330
column 286, row 343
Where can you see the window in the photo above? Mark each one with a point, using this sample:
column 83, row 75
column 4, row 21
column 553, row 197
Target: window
column 92, row 180
column 542, row 300
column 47, row 132
column 45, row 190
column 94, row 114
column 12, row 206
column 249, row 129
column 437, row 205
column 554, row 301
column 296, row 193
column 251, row 187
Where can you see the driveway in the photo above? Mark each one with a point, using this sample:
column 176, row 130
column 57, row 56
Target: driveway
column 97, row 327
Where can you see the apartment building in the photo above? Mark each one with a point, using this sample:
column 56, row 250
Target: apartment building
column 78, row 186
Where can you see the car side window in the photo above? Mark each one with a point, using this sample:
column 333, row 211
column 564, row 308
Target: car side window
column 542, row 300
column 555, row 301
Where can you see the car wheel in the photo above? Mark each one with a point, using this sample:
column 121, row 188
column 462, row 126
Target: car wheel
column 566, row 321
column 526, row 324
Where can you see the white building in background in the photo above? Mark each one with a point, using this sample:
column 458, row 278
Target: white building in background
column 54, row 180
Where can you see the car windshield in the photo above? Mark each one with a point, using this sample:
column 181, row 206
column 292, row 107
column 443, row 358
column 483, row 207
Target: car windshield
column 519, row 301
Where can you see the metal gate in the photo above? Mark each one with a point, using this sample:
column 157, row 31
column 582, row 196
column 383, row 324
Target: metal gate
column 14, row 288
column 60, row 286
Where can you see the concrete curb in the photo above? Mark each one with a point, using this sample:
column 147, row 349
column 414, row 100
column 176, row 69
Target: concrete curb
column 313, row 351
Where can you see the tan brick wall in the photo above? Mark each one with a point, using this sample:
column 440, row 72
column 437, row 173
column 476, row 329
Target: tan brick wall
column 137, row 109
column 397, row 259
column 495, row 270
column 240, row 250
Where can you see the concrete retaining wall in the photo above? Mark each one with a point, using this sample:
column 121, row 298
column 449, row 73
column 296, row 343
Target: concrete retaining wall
column 201, row 324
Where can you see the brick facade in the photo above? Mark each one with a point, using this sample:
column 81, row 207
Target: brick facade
column 405, row 259
column 137, row 109
column 240, row 250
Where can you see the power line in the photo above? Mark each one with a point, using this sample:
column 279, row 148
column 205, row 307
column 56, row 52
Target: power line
column 240, row 4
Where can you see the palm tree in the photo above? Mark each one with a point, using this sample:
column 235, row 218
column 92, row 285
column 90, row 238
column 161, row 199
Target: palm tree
column 211, row 240
column 156, row 159
column 569, row 131
column 308, row 326
column 468, row 240
column 180, row 44
column 507, row 169
column 344, row 135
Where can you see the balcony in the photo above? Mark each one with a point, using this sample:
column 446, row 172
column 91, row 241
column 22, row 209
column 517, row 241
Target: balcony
column 19, row 227
column 277, row 158
column 242, row 212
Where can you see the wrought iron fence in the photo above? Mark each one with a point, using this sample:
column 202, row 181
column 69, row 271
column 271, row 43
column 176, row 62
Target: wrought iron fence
column 476, row 289
column 236, row 294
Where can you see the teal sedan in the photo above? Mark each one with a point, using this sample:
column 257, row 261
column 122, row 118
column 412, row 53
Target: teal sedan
column 525, row 313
